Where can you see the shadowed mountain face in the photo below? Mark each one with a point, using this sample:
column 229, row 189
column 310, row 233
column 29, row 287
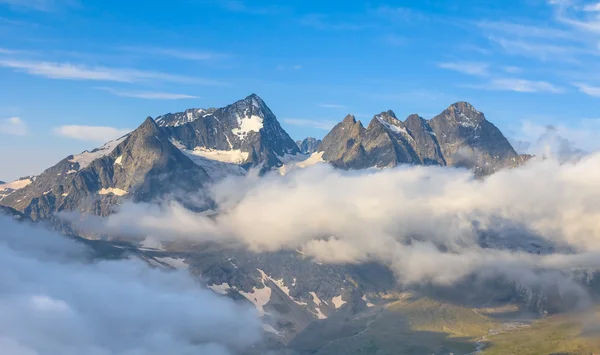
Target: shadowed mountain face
column 141, row 165
column 247, row 126
column 460, row 136
column 309, row 145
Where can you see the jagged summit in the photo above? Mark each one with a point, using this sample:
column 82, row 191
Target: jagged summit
column 459, row 136
column 349, row 119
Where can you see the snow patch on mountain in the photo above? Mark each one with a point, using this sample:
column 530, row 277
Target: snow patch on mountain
column 300, row 161
column 173, row 262
column 220, row 289
column 368, row 303
column 17, row 184
column 234, row 156
column 338, row 301
column 467, row 121
column 259, row 297
column 218, row 164
column 394, row 128
column 86, row 158
column 113, row 191
column 179, row 119
column 315, row 298
column 247, row 124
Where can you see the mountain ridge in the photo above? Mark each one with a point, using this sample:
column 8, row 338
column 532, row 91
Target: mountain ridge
column 460, row 136
column 186, row 150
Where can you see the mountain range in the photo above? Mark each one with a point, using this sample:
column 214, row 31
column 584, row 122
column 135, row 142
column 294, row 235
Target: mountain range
column 180, row 153
column 186, row 150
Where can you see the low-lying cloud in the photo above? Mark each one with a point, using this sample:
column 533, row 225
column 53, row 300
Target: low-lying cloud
column 55, row 301
column 429, row 224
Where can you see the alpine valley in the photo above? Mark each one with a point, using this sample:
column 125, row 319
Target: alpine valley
column 307, row 307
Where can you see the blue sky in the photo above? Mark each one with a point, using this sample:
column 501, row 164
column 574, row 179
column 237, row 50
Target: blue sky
column 75, row 73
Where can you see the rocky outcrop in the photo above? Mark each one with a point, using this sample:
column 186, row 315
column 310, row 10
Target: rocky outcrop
column 247, row 126
column 141, row 166
column 459, row 137
column 309, row 145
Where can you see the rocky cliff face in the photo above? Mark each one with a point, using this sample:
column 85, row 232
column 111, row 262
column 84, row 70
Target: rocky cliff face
column 460, row 136
column 141, row 165
column 467, row 139
column 247, row 126
column 309, row 145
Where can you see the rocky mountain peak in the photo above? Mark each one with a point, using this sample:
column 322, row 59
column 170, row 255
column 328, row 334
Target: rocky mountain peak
column 149, row 125
column 464, row 113
column 389, row 121
column 349, row 120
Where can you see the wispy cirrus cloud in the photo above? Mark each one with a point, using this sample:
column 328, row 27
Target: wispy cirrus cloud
column 149, row 95
column 178, row 53
column 69, row 71
column 13, row 126
column 518, row 85
column 39, row 5
column 243, row 7
column 332, row 106
column 318, row 124
column 544, row 51
column 588, row 89
column 469, row 68
column 524, row 30
column 90, row 133
column 324, row 22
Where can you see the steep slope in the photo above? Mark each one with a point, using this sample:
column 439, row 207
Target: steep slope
column 8, row 188
column 384, row 143
column 342, row 146
column 141, row 166
column 246, row 130
column 426, row 143
column 467, row 139
column 308, row 145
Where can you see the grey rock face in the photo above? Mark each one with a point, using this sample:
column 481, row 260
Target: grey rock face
column 247, row 125
column 141, row 165
column 467, row 139
column 308, row 145
column 460, row 136
column 426, row 143
column 342, row 146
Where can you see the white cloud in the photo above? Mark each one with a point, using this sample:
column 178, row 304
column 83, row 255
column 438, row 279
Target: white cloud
column 185, row 54
column 91, row 133
column 541, row 51
column 38, row 5
column 426, row 223
column 518, row 85
column 68, row 71
column 592, row 7
column 13, row 126
column 151, row 95
column 522, row 30
column 581, row 134
column 319, row 124
column 59, row 302
column 332, row 106
column 470, row 68
column 588, row 89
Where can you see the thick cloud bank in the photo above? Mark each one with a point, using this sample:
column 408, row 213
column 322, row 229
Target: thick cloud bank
column 53, row 301
column 530, row 225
